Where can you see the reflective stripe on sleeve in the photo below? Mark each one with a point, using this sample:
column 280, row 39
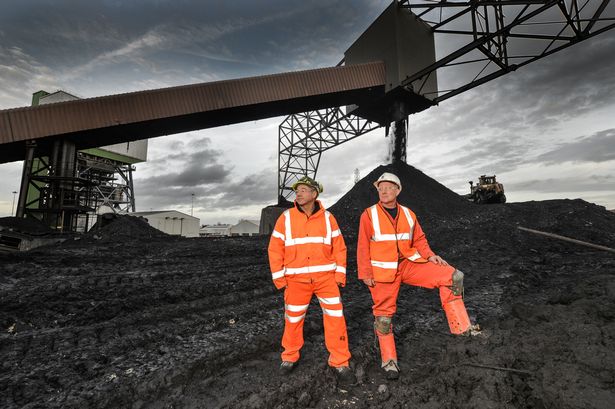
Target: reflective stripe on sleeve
column 277, row 234
column 415, row 256
column 340, row 269
column 329, row 300
column 333, row 313
column 277, row 274
column 336, row 233
column 311, row 269
column 384, row 264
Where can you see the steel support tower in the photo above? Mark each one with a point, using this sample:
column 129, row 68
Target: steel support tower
column 492, row 38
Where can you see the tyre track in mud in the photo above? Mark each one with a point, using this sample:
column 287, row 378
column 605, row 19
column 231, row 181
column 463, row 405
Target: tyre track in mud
column 163, row 325
column 154, row 321
column 258, row 383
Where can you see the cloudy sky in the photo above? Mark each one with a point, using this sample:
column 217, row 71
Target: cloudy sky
column 547, row 130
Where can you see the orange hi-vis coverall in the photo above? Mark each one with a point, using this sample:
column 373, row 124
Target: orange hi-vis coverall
column 392, row 251
column 307, row 255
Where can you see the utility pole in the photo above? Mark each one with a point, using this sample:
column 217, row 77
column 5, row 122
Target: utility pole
column 13, row 205
column 192, row 206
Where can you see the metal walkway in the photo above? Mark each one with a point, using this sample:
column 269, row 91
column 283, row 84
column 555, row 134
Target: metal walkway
column 139, row 115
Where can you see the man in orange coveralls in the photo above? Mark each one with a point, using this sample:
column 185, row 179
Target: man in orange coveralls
column 392, row 249
column 307, row 256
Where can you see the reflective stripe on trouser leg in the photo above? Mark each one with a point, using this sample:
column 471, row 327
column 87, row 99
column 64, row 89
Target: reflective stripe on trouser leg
column 457, row 316
column 387, row 346
column 297, row 298
column 336, row 337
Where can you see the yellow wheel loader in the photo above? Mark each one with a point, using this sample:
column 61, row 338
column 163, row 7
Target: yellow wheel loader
column 487, row 190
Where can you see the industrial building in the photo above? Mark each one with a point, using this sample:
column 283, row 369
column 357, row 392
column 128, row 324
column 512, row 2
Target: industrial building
column 172, row 222
column 215, row 230
column 67, row 189
column 245, row 228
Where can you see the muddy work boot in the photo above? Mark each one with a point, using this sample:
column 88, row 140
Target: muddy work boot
column 473, row 331
column 391, row 370
column 345, row 376
column 286, row 367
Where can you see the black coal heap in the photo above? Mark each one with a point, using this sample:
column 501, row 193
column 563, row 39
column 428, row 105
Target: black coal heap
column 114, row 227
column 429, row 199
column 27, row 225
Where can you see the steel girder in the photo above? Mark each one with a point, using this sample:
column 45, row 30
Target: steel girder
column 503, row 35
column 107, row 190
column 304, row 137
column 495, row 37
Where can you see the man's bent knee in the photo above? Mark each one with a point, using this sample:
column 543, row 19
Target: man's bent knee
column 383, row 325
column 457, row 287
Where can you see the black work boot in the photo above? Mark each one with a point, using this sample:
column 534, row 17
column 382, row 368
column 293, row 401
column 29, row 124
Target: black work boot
column 287, row 367
column 345, row 376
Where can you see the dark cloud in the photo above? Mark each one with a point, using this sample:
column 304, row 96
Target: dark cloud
column 188, row 171
column 496, row 154
column 257, row 188
column 566, row 84
column 99, row 48
column 197, row 168
column 599, row 147
column 222, row 35
column 205, row 173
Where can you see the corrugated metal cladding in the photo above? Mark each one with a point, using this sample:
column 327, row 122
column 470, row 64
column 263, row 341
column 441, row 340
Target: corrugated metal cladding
column 6, row 135
column 139, row 107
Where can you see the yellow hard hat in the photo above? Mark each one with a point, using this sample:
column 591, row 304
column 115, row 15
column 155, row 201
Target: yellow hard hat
column 308, row 182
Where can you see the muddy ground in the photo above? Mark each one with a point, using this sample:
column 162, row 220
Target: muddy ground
column 129, row 319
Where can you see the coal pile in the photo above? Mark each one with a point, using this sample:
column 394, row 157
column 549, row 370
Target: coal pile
column 134, row 320
column 430, row 200
column 113, row 227
column 27, row 225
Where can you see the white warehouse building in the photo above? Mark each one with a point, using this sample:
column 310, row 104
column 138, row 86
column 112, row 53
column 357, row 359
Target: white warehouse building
column 172, row 222
column 245, row 228
column 215, row 230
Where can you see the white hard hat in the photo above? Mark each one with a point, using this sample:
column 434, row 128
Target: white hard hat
column 388, row 177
